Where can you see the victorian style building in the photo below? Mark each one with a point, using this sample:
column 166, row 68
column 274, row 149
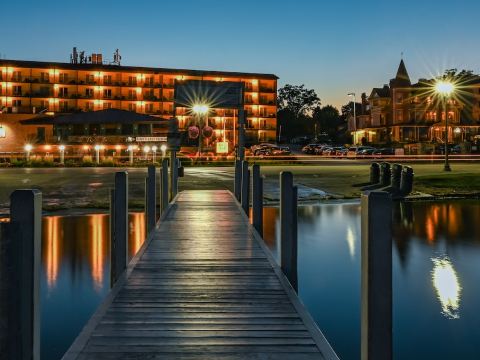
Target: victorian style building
column 402, row 112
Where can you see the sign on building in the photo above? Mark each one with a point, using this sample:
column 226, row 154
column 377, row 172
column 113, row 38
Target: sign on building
column 215, row 94
column 222, row 147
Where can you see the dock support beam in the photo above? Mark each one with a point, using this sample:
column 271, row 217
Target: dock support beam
column 151, row 198
column 20, row 253
column 164, row 193
column 376, row 263
column 245, row 196
column 238, row 179
column 288, row 228
column 257, row 199
column 119, row 226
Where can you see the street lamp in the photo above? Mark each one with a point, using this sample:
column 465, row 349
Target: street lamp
column 352, row 94
column 200, row 110
column 97, row 153
column 130, row 153
column 445, row 89
column 62, row 153
column 154, row 154
column 163, row 148
column 28, row 149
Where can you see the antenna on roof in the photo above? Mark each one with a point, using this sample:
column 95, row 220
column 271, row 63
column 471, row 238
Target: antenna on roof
column 117, row 58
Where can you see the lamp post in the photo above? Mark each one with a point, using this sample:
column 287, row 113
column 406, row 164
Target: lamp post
column 154, row 154
column 163, row 148
column 200, row 110
column 28, row 149
column 97, row 153
column 445, row 89
column 146, row 150
column 352, row 94
column 130, row 154
column 62, row 154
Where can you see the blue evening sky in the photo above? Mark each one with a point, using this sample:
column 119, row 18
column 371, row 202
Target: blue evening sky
column 332, row 46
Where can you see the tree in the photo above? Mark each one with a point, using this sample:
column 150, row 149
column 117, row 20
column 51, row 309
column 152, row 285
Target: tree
column 296, row 105
column 329, row 122
column 297, row 99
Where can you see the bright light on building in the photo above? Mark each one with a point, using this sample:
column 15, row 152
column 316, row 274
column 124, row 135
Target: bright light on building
column 457, row 130
column 154, row 148
column 62, row 147
column 130, row 148
column 85, row 147
column 444, row 88
column 200, row 109
column 163, row 147
column 146, row 149
column 97, row 147
column 28, row 147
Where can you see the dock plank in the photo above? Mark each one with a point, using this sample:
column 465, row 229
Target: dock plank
column 202, row 287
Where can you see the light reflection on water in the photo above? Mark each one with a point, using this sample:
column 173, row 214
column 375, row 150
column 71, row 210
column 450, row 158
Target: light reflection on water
column 436, row 267
column 436, row 262
column 76, row 274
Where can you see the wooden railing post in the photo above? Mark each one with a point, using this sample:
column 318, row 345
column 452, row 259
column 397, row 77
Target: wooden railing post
column 164, row 192
column 376, row 304
column 119, row 235
column 238, row 179
column 257, row 199
column 245, row 196
column 20, row 253
column 150, row 198
column 173, row 175
column 288, row 228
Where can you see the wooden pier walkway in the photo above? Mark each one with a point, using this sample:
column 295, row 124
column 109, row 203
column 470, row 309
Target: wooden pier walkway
column 203, row 286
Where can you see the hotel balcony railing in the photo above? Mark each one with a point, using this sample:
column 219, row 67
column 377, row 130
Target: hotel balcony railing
column 266, row 89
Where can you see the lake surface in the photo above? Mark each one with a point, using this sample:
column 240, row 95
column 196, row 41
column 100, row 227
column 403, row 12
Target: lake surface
column 436, row 269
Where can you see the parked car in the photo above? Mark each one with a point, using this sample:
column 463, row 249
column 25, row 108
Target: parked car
column 384, row 151
column 257, row 149
column 366, row 152
column 281, row 150
column 363, row 148
column 320, row 150
column 310, row 148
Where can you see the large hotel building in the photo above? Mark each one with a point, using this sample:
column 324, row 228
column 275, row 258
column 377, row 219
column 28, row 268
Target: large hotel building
column 114, row 104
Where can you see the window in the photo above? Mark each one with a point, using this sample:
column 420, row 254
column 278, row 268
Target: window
column 132, row 80
column 17, row 76
column 127, row 129
column 63, row 92
column 399, row 115
column 107, row 105
column 107, row 93
column 132, row 94
column 89, row 79
column 149, row 108
column 41, row 134
column 63, row 106
column 63, row 78
column 110, row 129
column 144, row 129
column 44, row 77
column 17, row 103
column 107, row 79
column 89, row 92
column 17, row 90
column 132, row 107
column 89, row 106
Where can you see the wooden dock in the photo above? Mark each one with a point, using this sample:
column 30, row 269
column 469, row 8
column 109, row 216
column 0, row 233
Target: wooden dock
column 203, row 286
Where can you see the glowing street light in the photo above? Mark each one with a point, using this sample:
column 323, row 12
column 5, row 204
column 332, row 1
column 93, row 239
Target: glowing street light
column 62, row 154
column 28, row 149
column 154, row 154
column 200, row 109
column 445, row 89
column 97, row 153
column 130, row 153
column 163, row 148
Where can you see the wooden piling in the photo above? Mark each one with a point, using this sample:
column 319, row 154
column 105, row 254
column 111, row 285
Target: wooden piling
column 119, row 236
column 257, row 199
column 20, row 255
column 288, row 228
column 238, row 179
column 245, row 195
column 164, row 192
column 376, row 274
column 150, row 199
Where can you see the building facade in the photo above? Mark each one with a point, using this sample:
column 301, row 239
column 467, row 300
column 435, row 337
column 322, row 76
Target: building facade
column 31, row 90
column 401, row 112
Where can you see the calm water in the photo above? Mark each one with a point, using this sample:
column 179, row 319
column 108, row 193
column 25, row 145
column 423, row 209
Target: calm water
column 436, row 261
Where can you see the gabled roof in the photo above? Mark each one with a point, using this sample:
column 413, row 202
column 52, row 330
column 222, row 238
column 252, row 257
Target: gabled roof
column 381, row 92
column 108, row 116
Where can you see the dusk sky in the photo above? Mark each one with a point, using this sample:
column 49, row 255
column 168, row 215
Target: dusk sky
column 334, row 47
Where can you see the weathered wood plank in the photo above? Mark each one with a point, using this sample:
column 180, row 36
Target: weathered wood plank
column 203, row 287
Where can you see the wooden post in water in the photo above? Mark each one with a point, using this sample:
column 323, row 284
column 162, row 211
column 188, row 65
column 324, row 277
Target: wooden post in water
column 376, row 305
column 245, row 196
column 150, row 199
column 238, row 179
column 288, row 228
column 164, row 185
column 173, row 175
column 20, row 253
column 119, row 235
column 257, row 199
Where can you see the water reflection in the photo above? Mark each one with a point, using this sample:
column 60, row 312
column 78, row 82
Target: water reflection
column 429, row 290
column 447, row 285
column 75, row 274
